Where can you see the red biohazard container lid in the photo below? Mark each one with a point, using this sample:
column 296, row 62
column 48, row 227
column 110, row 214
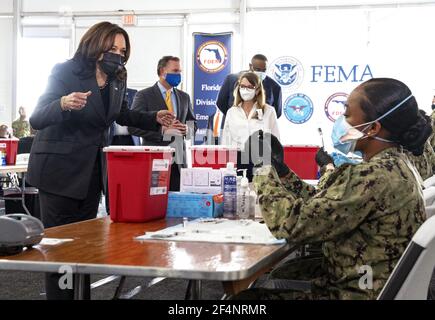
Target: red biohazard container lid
column 215, row 147
column 302, row 145
column 143, row 149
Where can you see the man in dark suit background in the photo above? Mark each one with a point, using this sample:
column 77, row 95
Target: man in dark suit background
column 164, row 95
column 119, row 135
column 225, row 99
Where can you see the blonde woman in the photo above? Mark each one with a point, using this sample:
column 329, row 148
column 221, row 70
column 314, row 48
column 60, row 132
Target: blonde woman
column 249, row 113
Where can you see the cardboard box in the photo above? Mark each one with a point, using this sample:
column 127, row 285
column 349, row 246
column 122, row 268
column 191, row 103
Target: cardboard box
column 194, row 205
column 201, row 180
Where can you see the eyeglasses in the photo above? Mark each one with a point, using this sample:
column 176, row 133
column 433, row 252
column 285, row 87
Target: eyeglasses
column 242, row 86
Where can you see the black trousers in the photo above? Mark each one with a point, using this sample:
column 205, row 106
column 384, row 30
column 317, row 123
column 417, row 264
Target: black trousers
column 58, row 210
column 174, row 182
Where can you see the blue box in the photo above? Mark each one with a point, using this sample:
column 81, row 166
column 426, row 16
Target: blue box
column 194, row 205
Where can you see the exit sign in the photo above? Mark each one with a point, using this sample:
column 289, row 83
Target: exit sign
column 129, row 20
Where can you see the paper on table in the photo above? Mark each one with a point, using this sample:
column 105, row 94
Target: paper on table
column 218, row 231
column 53, row 241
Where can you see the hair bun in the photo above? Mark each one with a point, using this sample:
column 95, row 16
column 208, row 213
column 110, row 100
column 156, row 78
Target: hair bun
column 414, row 138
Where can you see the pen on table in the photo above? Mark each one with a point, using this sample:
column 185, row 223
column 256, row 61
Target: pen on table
column 200, row 231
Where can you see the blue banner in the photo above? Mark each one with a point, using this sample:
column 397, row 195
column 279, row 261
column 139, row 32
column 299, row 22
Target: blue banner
column 212, row 63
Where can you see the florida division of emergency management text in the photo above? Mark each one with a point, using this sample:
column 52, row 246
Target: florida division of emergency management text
column 215, row 310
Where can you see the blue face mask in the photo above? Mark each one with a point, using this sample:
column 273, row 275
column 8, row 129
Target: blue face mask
column 344, row 136
column 340, row 159
column 173, row 79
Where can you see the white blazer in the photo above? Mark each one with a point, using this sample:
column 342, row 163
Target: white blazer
column 238, row 127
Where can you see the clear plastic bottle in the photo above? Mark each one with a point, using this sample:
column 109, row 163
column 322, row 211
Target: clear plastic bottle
column 229, row 184
column 257, row 209
column 244, row 200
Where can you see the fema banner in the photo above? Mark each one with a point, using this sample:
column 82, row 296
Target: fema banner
column 314, row 93
column 212, row 63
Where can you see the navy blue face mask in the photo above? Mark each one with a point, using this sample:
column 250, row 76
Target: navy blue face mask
column 112, row 63
column 173, row 79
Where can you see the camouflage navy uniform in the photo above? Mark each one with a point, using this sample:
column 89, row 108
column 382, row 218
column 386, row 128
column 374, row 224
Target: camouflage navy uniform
column 425, row 164
column 432, row 117
column 364, row 215
column 21, row 128
column 432, row 137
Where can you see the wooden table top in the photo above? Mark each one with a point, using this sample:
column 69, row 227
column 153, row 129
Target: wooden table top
column 103, row 247
column 15, row 168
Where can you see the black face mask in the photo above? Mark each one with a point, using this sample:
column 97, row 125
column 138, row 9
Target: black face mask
column 112, row 63
column 433, row 106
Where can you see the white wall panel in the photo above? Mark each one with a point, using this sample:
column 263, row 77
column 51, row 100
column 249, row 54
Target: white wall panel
column 6, row 71
column 105, row 5
column 330, row 3
column 6, row 6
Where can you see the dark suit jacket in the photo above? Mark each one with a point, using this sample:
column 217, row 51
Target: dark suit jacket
column 225, row 99
column 151, row 99
column 67, row 143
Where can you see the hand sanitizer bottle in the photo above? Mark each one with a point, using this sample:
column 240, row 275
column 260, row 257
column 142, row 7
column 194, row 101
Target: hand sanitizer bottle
column 229, row 178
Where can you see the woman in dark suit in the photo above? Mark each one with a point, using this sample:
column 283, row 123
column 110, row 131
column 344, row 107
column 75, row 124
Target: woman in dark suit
column 84, row 96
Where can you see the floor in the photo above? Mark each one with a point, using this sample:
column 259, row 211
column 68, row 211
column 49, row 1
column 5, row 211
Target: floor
column 30, row 286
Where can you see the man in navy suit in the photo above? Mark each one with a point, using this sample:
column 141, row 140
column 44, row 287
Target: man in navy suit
column 164, row 95
column 225, row 99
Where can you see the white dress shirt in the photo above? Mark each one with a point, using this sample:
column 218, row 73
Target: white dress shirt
column 238, row 127
column 120, row 130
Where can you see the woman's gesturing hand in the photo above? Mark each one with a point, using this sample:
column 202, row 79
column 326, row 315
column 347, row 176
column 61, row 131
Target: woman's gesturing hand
column 74, row 101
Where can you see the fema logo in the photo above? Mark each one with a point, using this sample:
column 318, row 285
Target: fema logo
column 298, row 108
column 287, row 71
column 335, row 105
column 212, row 56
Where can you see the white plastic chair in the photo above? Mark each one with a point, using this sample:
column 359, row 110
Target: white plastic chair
column 429, row 200
column 411, row 277
column 429, row 182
